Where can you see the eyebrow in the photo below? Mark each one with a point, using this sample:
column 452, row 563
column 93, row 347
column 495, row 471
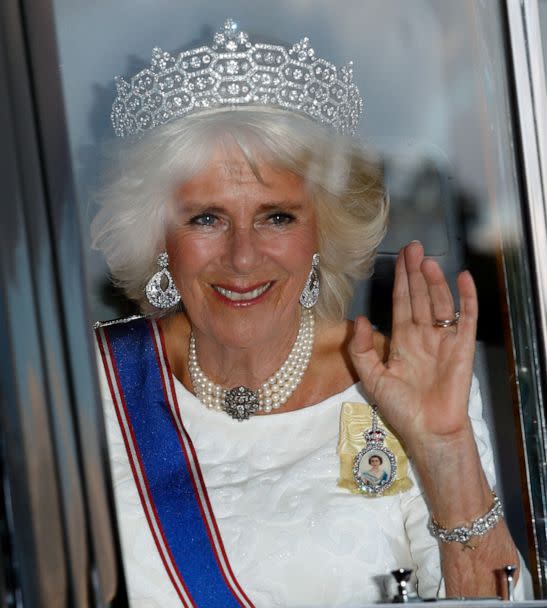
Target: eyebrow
column 214, row 207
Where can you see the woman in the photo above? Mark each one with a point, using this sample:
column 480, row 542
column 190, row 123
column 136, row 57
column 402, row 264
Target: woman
column 375, row 476
column 223, row 413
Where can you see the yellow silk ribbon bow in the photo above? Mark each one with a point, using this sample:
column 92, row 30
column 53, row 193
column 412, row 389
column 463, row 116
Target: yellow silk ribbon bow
column 354, row 419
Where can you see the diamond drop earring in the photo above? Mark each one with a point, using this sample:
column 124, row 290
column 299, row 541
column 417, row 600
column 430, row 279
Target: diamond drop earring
column 156, row 294
column 310, row 293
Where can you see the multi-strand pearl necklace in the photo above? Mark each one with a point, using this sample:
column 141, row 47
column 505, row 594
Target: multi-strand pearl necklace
column 241, row 402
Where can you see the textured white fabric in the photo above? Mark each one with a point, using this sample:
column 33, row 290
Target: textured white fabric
column 293, row 538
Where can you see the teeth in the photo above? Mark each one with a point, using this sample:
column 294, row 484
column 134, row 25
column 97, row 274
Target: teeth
column 240, row 297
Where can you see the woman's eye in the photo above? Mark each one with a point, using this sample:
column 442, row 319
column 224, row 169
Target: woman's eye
column 280, row 219
column 204, row 219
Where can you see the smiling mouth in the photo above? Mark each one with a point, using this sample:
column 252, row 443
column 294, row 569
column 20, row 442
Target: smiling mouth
column 245, row 296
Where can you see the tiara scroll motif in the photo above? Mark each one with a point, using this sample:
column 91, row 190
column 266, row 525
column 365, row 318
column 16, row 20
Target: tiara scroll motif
column 234, row 72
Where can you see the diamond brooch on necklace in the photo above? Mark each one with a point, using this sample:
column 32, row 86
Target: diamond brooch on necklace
column 241, row 402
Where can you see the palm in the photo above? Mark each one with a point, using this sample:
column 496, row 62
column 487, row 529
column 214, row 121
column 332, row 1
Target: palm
column 423, row 387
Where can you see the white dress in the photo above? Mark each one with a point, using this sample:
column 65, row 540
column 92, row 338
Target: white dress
column 293, row 537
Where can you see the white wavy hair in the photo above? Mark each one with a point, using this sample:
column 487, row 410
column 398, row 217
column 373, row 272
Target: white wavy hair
column 346, row 188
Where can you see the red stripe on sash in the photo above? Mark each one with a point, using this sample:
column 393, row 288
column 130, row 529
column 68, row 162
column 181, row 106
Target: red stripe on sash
column 193, row 466
column 140, row 479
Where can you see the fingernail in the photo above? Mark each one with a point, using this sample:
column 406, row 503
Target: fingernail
column 416, row 241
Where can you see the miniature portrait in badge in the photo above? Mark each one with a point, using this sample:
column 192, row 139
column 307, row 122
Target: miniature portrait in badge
column 374, row 471
column 375, row 466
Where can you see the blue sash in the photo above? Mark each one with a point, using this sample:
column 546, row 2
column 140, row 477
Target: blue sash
column 165, row 466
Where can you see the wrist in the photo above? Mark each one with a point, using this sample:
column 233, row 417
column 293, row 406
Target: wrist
column 451, row 474
column 426, row 446
column 469, row 532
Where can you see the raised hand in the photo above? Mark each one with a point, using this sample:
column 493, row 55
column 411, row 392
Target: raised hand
column 422, row 390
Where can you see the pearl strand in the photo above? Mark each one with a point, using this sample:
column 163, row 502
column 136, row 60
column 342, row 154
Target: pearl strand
column 276, row 390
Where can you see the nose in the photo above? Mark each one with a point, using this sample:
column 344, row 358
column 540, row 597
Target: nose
column 243, row 250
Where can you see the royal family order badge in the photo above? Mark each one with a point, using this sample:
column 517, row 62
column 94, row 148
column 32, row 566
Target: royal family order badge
column 375, row 466
column 373, row 463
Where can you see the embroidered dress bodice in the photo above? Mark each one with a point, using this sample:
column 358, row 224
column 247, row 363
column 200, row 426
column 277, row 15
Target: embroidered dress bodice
column 293, row 537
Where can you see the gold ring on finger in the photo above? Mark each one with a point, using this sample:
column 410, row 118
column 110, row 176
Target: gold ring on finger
column 447, row 322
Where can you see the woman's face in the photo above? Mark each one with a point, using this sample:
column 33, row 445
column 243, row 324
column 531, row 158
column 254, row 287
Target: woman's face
column 375, row 462
column 240, row 249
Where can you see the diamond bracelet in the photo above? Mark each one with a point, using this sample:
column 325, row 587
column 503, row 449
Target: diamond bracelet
column 479, row 527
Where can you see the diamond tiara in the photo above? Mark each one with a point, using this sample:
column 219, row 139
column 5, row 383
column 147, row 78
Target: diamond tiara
column 235, row 72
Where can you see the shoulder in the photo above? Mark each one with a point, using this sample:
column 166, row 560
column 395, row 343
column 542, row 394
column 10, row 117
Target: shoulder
column 123, row 322
column 126, row 339
column 109, row 333
column 125, row 333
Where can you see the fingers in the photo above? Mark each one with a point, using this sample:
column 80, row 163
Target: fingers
column 421, row 293
column 442, row 303
column 469, row 308
column 420, row 300
column 402, row 310
column 366, row 359
column 362, row 340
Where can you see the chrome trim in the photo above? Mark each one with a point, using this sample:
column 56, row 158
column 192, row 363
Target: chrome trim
column 539, row 87
column 529, row 72
column 531, row 114
column 43, row 269
column 102, row 573
column 32, row 531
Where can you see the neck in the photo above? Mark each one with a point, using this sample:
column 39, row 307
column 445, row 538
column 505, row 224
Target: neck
column 248, row 365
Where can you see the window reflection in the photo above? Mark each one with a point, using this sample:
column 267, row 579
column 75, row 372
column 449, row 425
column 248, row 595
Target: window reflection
column 436, row 114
